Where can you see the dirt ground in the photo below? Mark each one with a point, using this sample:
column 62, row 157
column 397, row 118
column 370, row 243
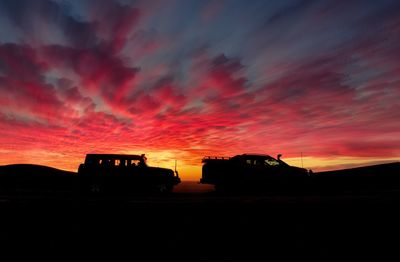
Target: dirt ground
column 198, row 225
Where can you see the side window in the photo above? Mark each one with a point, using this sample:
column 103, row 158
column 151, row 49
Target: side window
column 107, row 162
column 93, row 161
column 249, row 161
column 122, row 162
column 260, row 162
column 132, row 162
column 117, row 162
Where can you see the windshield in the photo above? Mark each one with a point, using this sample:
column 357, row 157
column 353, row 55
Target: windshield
column 271, row 162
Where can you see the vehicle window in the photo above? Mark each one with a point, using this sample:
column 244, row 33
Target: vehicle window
column 249, row 161
column 271, row 162
column 260, row 162
column 107, row 162
column 93, row 161
column 133, row 162
column 122, row 162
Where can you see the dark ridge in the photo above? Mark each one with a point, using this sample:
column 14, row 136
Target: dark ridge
column 32, row 169
column 375, row 178
column 30, row 178
column 373, row 170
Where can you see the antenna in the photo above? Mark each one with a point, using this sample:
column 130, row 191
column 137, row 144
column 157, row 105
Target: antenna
column 301, row 157
column 176, row 172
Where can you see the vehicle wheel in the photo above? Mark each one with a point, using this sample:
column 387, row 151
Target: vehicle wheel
column 163, row 188
column 220, row 188
column 95, row 189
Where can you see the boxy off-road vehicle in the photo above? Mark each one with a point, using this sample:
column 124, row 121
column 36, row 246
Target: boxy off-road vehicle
column 112, row 173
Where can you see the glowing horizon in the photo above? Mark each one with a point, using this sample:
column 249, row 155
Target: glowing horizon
column 186, row 79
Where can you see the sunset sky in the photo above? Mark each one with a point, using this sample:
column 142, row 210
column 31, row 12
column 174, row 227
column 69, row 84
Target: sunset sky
column 186, row 79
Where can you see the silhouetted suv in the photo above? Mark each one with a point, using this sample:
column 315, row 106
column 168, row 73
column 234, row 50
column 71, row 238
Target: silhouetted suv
column 112, row 173
column 252, row 172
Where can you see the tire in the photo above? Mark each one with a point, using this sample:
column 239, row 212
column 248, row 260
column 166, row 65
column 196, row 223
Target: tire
column 163, row 188
column 221, row 188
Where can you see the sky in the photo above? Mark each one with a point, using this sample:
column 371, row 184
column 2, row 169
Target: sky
column 317, row 81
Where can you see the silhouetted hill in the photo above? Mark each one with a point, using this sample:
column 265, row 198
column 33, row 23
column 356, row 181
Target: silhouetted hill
column 31, row 169
column 367, row 178
column 389, row 169
column 19, row 178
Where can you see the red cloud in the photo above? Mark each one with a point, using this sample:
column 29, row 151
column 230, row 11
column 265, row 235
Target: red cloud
column 98, row 71
column 23, row 89
column 21, row 62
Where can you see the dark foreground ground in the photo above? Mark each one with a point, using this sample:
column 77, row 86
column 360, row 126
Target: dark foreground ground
column 194, row 224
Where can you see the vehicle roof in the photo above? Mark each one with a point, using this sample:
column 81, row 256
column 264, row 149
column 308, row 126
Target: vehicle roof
column 115, row 156
column 255, row 155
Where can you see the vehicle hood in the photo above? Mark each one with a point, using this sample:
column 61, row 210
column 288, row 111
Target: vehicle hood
column 299, row 169
column 161, row 170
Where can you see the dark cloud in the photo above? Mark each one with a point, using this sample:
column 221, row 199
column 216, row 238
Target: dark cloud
column 109, row 23
column 293, row 8
column 21, row 62
column 27, row 14
column 114, row 23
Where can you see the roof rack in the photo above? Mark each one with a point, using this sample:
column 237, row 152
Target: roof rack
column 215, row 158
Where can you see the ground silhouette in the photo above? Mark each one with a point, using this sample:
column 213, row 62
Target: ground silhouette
column 197, row 226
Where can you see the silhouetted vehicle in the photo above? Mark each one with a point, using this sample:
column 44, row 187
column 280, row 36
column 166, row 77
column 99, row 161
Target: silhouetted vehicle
column 252, row 172
column 112, row 173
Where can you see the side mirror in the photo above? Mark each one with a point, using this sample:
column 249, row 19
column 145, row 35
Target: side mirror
column 279, row 156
